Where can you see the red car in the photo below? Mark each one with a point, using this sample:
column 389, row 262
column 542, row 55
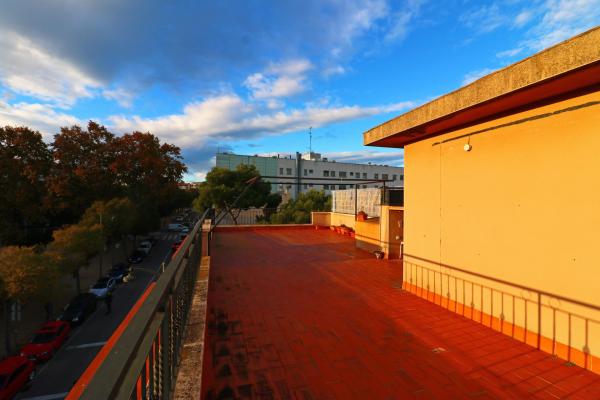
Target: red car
column 15, row 373
column 175, row 246
column 46, row 341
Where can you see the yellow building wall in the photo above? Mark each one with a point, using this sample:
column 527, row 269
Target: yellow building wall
column 522, row 206
column 367, row 234
column 320, row 218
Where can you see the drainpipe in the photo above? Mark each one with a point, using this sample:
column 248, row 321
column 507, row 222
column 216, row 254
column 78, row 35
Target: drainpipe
column 298, row 173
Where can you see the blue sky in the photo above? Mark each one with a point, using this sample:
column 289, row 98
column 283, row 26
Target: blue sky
column 252, row 76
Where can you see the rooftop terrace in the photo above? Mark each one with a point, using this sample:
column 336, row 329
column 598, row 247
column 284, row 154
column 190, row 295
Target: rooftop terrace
column 299, row 313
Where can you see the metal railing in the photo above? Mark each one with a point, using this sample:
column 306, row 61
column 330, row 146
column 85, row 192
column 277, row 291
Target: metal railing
column 558, row 325
column 144, row 360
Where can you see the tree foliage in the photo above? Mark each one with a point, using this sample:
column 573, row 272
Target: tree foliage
column 298, row 211
column 223, row 188
column 26, row 273
column 73, row 246
column 116, row 217
column 25, row 162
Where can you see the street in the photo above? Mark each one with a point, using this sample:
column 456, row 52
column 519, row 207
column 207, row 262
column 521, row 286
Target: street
column 55, row 378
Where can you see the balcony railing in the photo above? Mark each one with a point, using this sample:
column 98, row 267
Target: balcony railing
column 143, row 360
column 567, row 328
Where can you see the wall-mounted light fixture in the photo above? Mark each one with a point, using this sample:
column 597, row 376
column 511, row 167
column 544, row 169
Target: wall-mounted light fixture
column 467, row 146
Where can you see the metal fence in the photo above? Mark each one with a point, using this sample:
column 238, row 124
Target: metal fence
column 351, row 201
column 567, row 328
column 250, row 216
column 143, row 361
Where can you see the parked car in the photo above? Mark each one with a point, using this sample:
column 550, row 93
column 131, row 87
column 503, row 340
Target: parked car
column 118, row 271
column 176, row 245
column 145, row 247
column 179, row 219
column 102, row 287
column 79, row 308
column 16, row 373
column 176, row 227
column 185, row 229
column 137, row 257
column 46, row 341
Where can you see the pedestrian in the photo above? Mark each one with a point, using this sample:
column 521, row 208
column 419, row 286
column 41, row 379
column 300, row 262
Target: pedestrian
column 108, row 302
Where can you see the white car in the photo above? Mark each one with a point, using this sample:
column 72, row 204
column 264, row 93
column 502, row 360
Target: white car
column 145, row 246
column 103, row 287
column 176, row 227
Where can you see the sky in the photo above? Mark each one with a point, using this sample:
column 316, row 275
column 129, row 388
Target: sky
column 251, row 76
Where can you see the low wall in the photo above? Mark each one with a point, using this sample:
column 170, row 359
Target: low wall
column 367, row 234
column 338, row 219
column 320, row 218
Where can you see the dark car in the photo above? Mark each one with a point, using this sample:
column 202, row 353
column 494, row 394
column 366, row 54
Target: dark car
column 46, row 341
column 136, row 257
column 79, row 308
column 16, row 373
column 118, row 271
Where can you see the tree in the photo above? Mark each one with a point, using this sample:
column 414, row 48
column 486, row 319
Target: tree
column 298, row 211
column 147, row 170
column 234, row 190
column 81, row 171
column 25, row 274
column 116, row 218
column 73, row 246
column 25, row 162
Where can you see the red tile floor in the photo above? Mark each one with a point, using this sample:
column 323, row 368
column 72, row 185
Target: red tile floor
column 301, row 314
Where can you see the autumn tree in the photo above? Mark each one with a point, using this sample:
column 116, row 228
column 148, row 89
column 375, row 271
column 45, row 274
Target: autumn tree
column 234, row 190
column 26, row 274
column 73, row 247
column 81, row 171
column 297, row 211
column 24, row 166
column 148, row 171
column 116, row 218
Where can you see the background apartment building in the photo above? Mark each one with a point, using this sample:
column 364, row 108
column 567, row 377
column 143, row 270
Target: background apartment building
column 299, row 174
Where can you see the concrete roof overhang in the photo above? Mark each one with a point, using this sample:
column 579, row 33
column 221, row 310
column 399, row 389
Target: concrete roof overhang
column 568, row 67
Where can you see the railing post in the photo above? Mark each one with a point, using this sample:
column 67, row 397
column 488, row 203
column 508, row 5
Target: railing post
column 205, row 238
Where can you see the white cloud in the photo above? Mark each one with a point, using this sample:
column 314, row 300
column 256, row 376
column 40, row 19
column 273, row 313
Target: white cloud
column 279, row 80
column 563, row 19
column 41, row 117
column 333, row 70
column 523, row 18
column 228, row 117
column 485, row 19
column 28, row 69
column 474, row 75
column 509, row 53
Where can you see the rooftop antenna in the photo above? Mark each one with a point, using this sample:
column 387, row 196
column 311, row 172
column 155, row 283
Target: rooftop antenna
column 310, row 141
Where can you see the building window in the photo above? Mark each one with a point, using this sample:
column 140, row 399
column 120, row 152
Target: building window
column 280, row 188
column 375, row 176
column 364, row 186
column 394, row 177
column 326, row 187
column 310, row 171
column 310, row 185
column 332, row 173
column 288, row 171
column 342, row 174
column 325, row 173
column 401, row 177
column 384, row 176
column 358, row 174
column 280, row 171
column 305, row 186
column 342, row 187
column 364, row 175
column 332, row 187
column 305, row 172
column 351, row 173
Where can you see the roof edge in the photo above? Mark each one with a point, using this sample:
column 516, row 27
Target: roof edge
column 570, row 55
